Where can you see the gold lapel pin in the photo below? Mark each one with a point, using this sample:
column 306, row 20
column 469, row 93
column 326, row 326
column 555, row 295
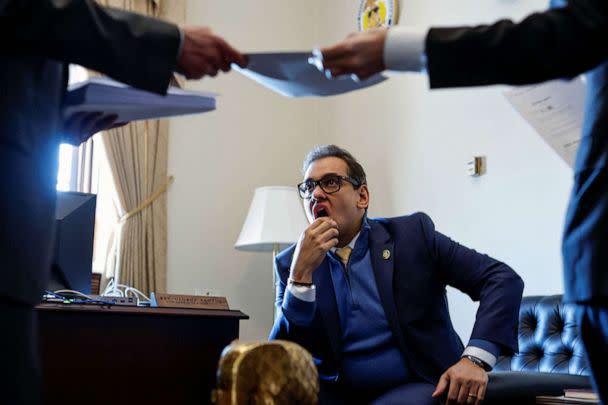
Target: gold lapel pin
column 386, row 254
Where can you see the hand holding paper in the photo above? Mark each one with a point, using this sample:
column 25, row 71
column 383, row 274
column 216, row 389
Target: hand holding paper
column 204, row 53
column 80, row 126
column 361, row 54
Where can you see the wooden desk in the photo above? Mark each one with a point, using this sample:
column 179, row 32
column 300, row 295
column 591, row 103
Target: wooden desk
column 129, row 355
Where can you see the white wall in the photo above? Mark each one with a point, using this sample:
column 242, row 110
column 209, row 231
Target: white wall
column 414, row 144
column 255, row 138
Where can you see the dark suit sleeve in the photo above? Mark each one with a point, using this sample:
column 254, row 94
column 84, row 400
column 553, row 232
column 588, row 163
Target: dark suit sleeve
column 494, row 284
column 283, row 327
column 554, row 44
column 131, row 48
column 280, row 328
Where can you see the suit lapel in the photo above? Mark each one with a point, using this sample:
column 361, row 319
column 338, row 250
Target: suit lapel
column 328, row 308
column 381, row 249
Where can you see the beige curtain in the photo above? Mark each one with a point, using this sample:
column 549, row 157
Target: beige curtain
column 137, row 155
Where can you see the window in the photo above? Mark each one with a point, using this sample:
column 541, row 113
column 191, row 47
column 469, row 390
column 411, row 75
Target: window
column 67, row 177
column 85, row 168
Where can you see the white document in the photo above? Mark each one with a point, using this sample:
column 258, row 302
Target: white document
column 290, row 74
column 555, row 110
column 131, row 104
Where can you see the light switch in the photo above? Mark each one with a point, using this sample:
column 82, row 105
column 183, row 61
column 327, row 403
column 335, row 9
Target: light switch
column 476, row 166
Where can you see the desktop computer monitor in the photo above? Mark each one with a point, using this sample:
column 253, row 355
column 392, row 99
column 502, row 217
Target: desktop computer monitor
column 72, row 263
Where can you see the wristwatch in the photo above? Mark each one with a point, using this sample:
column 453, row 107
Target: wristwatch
column 478, row 362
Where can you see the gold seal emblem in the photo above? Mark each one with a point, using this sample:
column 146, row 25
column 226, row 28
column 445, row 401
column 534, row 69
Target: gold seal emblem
column 386, row 254
column 377, row 13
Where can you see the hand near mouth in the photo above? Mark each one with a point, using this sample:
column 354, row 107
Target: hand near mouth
column 314, row 243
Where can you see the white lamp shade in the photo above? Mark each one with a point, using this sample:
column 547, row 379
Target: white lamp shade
column 276, row 216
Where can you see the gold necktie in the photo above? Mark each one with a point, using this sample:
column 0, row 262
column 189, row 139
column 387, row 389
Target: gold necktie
column 344, row 254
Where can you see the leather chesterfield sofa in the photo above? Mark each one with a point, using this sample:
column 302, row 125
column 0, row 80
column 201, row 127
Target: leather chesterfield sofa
column 551, row 356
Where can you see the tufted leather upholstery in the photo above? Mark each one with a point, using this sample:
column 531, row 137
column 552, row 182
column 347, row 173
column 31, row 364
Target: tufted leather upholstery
column 548, row 339
column 551, row 356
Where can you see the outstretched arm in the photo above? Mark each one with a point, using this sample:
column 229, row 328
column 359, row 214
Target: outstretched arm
column 134, row 49
column 556, row 43
column 498, row 289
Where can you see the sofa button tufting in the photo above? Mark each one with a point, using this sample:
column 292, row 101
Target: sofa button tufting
column 548, row 339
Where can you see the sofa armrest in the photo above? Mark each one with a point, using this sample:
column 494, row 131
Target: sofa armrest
column 520, row 384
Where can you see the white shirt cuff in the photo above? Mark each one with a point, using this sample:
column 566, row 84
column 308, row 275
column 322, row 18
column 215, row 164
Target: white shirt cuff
column 404, row 49
column 481, row 354
column 302, row 292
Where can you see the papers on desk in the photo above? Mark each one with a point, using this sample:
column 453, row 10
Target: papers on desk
column 571, row 396
column 290, row 74
column 131, row 104
column 555, row 110
column 560, row 400
column 581, row 393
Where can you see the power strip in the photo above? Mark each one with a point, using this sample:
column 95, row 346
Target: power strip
column 97, row 300
column 127, row 301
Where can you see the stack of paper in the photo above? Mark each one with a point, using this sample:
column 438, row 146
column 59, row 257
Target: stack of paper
column 571, row 396
column 131, row 104
column 548, row 400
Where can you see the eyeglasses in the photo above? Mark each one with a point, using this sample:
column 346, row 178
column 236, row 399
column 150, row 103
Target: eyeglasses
column 329, row 184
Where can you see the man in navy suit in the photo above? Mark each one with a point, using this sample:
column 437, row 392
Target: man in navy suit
column 367, row 297
column 39, row 39
column 557, row 43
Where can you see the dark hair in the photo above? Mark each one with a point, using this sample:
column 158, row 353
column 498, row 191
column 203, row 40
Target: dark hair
column 355, row 170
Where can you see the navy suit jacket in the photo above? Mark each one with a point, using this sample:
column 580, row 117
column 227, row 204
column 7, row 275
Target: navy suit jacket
column 558, row 43
column 412, row 287
column 39, row 38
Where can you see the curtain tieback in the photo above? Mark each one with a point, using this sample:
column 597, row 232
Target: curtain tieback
column 148, row 201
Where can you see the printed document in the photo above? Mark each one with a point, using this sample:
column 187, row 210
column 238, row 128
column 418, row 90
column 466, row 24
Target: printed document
column 555, row 110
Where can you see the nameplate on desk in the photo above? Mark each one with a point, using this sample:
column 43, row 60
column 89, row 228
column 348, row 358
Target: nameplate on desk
column 190, row 301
